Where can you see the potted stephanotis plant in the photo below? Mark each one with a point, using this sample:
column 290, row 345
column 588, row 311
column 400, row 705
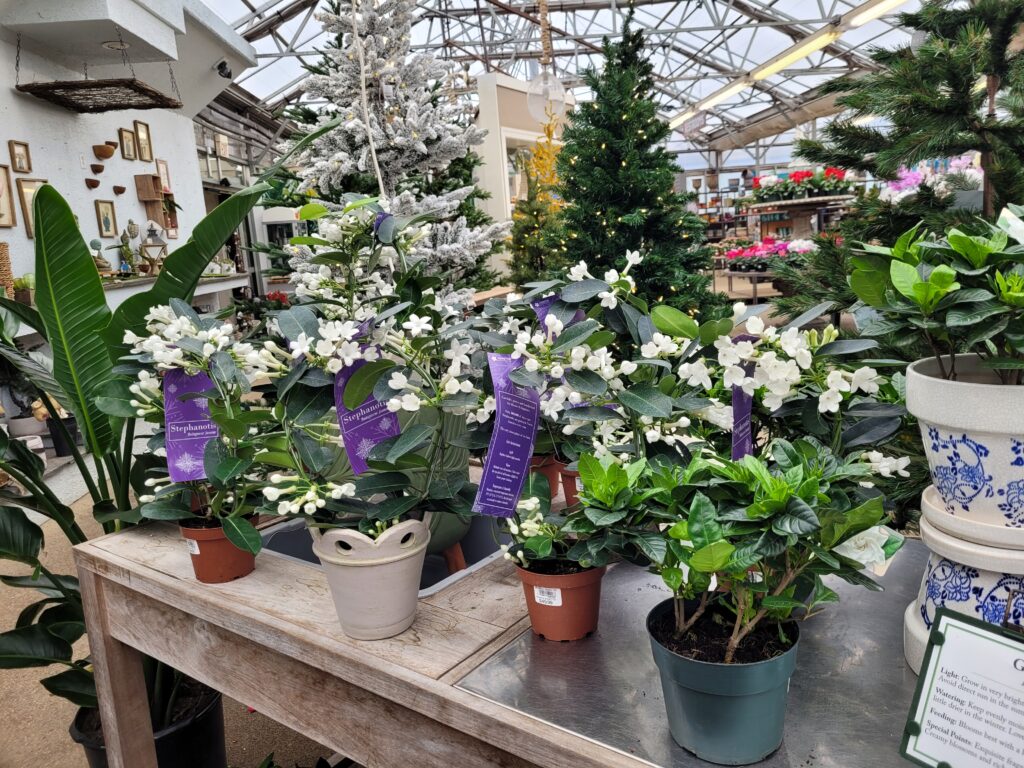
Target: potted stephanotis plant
column 561, row 577
column 385, row 347
column 744, row 560
column 193, row 376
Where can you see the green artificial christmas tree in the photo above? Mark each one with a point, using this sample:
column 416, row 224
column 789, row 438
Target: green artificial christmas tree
column 939, row 99
column 617, row 182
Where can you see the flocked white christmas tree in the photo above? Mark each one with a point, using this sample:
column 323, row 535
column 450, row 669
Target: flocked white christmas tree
column 401, row 121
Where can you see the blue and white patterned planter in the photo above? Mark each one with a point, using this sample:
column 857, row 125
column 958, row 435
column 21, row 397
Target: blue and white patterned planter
column 984, row 582
column 973, row 434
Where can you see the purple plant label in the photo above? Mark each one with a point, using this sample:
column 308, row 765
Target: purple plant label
column 187, row 423
column 517, row 413
column 742, row 408
column 363, row 427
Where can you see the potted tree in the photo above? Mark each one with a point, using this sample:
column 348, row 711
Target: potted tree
column 744, row 561
column 962, row 296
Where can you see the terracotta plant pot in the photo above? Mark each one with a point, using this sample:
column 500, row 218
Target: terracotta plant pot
column 96, row 168
column 551, row 468
column 92, row 183
column 374, row 582
column 571, row 486
column 564, row 606
column 119, row 190
column 103, row 151
column 216, row 560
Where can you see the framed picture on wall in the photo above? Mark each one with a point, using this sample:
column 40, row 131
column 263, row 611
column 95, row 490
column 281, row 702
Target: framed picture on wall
column 21, row 158
column 143, row 142
column 165, row 175
column 8, row 217
column 106, row 218
column 128, row 150
column 27, row 189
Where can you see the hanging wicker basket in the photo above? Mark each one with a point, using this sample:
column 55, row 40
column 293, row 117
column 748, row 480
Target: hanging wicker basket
column 101, row 95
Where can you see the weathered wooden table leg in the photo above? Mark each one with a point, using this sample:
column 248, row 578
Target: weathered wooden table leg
column 120, row 685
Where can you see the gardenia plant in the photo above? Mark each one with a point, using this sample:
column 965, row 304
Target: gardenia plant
column 749, row 533
column 961, row 294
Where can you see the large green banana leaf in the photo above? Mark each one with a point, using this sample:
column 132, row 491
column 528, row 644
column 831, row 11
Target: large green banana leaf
column 73, row 308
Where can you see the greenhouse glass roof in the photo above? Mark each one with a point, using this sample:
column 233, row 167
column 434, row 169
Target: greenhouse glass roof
column 699, row 48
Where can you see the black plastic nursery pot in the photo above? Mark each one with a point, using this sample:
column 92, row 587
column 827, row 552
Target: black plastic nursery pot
column 195, row 742
column 728, row 714
column 61, row 446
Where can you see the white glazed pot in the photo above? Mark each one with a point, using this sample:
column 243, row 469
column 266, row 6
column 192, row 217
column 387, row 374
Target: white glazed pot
column 24, row 426
column 375, row 583
column 973, row 434
column 963, row 576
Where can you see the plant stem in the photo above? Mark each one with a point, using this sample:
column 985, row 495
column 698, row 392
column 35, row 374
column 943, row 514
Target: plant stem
column 126, row 462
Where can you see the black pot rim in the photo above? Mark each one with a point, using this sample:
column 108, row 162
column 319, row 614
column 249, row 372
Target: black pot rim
column 665, row 605
column 80, row 738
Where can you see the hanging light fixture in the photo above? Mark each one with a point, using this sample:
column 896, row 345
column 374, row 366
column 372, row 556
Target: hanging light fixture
column 545, row 96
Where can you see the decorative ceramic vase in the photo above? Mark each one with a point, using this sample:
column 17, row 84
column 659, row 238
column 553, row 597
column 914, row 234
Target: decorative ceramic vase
column 25, row 425
column 970, row 578
column 728, row 714
column 215, row 560
column 973, row 433
column 374, row 582
column 563, row 606
column 973, row 515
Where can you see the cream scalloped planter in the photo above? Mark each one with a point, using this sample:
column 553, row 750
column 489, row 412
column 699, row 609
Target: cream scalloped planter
column 374, row 582
column 973, row 579
column 973, row 433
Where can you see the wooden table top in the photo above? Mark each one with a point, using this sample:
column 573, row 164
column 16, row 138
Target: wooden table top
column 286, row 606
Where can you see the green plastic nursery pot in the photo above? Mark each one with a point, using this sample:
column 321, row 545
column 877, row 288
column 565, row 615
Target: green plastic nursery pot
column 728, row 714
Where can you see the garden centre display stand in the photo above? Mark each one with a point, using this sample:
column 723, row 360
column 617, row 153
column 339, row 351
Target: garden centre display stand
column 468, row 684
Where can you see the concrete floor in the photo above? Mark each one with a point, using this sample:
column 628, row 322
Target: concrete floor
column 35, row 732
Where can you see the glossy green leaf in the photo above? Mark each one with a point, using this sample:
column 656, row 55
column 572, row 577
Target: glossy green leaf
column 360, row 386
column 32, row 646
column 674, row 322
column 646, row 400
column 713, row 557
column 76, row 685
column 73, row 307
column 20, row 538
column 242, row 534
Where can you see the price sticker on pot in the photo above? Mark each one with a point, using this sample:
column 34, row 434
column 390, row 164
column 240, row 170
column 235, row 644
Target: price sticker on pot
column 968, row 709
column 193, row 546
column 551, row 596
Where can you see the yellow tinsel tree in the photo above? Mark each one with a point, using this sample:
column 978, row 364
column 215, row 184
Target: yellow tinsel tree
column 537, row 246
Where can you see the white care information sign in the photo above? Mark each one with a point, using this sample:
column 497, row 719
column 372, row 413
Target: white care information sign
column 968, row 710
column 548, row 596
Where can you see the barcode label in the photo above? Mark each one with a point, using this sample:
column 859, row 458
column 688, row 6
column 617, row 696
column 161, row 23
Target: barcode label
column 547, row 596
column 193, row 546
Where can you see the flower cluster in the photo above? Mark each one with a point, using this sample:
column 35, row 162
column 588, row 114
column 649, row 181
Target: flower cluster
column 801, row 184
column 181, row 339
column 619, row 283
column 295, row 494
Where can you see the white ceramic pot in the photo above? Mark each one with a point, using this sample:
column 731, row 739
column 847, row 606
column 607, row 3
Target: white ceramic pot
column 973, row 433
column 374, row 582
column 967, row 577
column 28, row 425
column 933, row 509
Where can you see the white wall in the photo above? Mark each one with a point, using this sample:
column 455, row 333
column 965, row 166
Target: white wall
column 61, row 146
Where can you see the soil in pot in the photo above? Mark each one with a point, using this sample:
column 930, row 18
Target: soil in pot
column 728, row 714
column 195, row 739
column 563, row 599
column 215, row 559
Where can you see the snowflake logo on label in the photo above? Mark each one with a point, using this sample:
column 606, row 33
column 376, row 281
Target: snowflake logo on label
column 187, row 463
column 387, row 424
column 364, row 447
column 172, row 388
